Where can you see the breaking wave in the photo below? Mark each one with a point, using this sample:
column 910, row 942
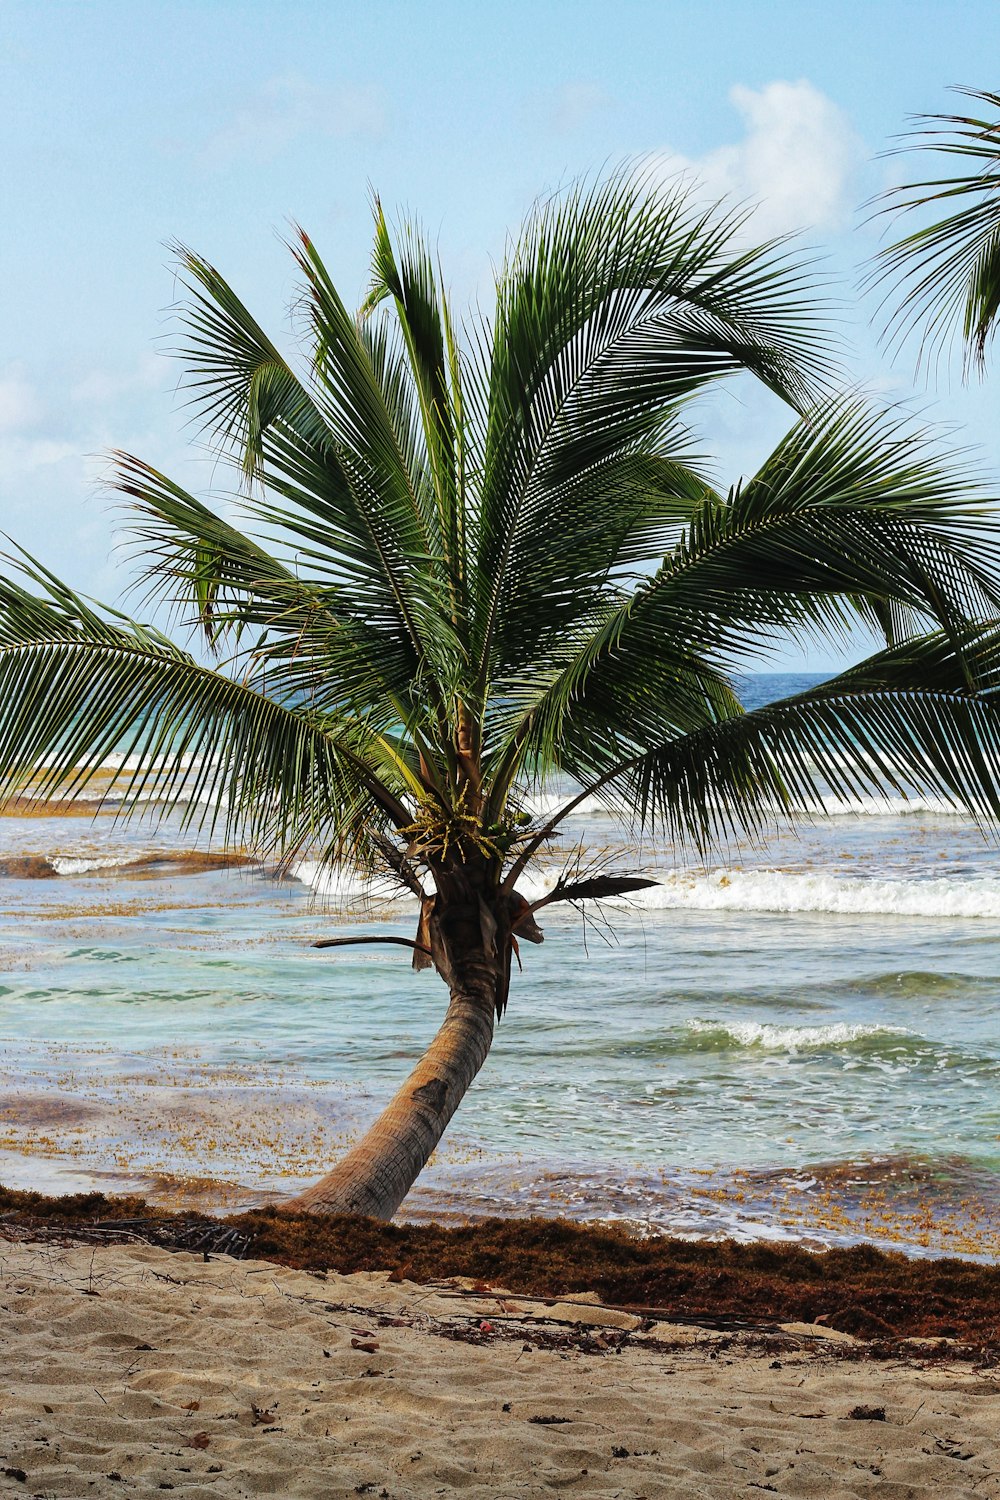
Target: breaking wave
column 733, row 890
column 765, row 1036
column 90, row 865
column 543, row 805
column 805, row 892
column 781, row 891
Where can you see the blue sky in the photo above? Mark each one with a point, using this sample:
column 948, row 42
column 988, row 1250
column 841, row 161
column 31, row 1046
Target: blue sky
column 124, row 125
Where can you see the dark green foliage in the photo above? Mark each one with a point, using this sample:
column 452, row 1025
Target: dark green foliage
column 948, row 270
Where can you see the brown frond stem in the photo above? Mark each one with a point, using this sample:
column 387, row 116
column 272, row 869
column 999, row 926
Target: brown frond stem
column 352, row 942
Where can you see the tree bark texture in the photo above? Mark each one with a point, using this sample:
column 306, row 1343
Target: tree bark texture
column 376, row 1175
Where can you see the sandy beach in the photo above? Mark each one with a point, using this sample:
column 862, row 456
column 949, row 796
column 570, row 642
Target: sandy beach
column 136, row 1370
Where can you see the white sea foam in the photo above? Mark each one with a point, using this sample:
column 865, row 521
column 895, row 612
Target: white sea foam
column 544, row 804
column 65, row 864
column 889, row 806
column 729, row 890
column 781, row 891
column 772, row 1038
column 881, row 807
column 340, row 885
column 121, row 762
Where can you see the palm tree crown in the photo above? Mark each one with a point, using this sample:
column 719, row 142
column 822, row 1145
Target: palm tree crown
column 479, row 555
column 948, row 271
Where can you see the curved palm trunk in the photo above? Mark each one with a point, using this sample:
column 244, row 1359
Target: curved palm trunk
column 376, row 1175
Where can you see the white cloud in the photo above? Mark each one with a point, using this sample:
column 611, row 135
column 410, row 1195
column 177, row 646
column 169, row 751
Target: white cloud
column 20, row 405
column 288, row 106
column 43, row 441
column 100, row 387
column 574, row 103
column 798, row 159
column 20, row 456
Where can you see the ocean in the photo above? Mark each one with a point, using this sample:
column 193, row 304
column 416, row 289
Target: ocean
column 793, row 1043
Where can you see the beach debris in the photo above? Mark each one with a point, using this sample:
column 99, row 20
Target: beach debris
column 550, row 1421
column 168, row 1233
column 191, row 1406
column 951, row 1449
column 816, row 1330
column 196, row 1440
column 368, row 1346
column 18, row 1474
column 28, row 867
column 263, row 1416
column 867, row 1414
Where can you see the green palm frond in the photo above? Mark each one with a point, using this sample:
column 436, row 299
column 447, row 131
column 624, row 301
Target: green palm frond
column 855, row 508
column 869, row 735
column 333, row 454
column 947, row 272
column 618, row 303
column 306, row 638
column 749, row 775
column 399, row 518
column 968, row 661
column 409, row 280
column 81, row 692
column 905, row 721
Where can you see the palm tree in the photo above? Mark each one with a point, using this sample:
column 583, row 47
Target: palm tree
column 948, row 270
column 487, row 557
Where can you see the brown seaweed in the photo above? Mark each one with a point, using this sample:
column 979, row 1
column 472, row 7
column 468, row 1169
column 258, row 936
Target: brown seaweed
column 876, row 1295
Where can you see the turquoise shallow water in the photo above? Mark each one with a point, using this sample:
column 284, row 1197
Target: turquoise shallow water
column 796, row 1043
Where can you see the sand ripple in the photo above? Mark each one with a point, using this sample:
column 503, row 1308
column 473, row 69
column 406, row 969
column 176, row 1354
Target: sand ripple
column 135, row 1371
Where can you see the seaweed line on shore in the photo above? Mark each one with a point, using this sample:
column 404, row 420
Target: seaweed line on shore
column 883, row 1299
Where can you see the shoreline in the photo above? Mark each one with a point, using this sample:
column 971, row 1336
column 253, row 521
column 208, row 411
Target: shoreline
column 884, row 1297
column 180, row 1148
